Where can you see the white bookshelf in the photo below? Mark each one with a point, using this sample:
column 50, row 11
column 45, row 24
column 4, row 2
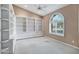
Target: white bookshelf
column 30, row 24
column 38, row 25
column 20, row 25
column 4, row 27
column 7, row 29
column 33, row 27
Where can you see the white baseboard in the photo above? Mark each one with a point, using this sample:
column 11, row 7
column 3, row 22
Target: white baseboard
column 66, row 43
column 29, row 38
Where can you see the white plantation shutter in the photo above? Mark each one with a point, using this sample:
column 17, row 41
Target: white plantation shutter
column 31, row 25
column 38, row 25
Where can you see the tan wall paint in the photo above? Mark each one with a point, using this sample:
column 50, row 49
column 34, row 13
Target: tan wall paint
column 78, row 25
column 78, row 39
column 22, row 12
column 71, row 25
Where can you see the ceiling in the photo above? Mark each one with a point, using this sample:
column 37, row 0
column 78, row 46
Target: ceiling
column 41, row 9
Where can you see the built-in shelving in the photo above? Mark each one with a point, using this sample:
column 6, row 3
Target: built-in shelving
column 6, row 22
column 5, row 41
column 4, row 19
column 27, row 27
column 4, row 28
column 5, row 51
column 3, row 8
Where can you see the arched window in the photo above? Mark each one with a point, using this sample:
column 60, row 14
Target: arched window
column 56, row 24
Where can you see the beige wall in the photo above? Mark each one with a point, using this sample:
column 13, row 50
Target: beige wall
column 71, row 25
column 78, row 25
column 22, row 12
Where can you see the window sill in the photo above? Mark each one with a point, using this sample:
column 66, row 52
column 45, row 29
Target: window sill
column 58, row 34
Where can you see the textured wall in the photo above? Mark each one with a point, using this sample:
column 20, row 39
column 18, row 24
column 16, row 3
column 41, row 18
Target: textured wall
column 71, row 25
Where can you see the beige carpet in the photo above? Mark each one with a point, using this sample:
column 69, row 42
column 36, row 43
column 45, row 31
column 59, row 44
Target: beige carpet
column 43, row 45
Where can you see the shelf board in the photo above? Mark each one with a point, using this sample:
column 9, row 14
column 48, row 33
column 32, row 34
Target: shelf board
column 5, row 30
column 3, row 50
column 5, row 41
column 4, row 8
column 3, row 19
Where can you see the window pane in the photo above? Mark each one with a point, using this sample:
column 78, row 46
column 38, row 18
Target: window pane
column 57, row 24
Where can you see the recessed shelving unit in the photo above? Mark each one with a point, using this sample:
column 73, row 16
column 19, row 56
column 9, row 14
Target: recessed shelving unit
column 6, row 29
column 5, row 51
column 27, row 27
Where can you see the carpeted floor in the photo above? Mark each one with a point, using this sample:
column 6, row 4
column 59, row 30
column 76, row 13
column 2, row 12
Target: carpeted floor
column 43, row 45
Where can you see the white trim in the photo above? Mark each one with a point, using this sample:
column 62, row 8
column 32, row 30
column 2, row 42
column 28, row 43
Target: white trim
column 58, row 34
column 65, row 43
column 14, row 24
column 28, row 17
column 20, row 16
column 71, row 45
column 50, row 24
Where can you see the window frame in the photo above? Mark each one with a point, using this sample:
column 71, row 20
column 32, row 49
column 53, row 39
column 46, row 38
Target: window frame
column 50, row 32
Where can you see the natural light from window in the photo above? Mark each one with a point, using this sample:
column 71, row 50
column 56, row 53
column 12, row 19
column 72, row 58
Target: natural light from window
column 56, row 24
